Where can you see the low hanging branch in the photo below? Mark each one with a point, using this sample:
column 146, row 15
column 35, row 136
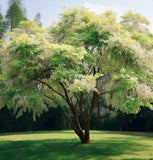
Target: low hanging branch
column 69, row 119
column 80, row 106
column 66, row 114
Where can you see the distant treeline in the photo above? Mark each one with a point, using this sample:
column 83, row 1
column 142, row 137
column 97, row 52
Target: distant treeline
column 54, row 119
column 47, row 121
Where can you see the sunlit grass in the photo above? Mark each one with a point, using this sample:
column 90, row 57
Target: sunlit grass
column 64, row 145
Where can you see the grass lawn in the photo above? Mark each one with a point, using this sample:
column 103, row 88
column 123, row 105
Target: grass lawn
column 64, row 145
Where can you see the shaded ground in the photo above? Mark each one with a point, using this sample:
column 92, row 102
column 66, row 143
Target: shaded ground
column 64, row 145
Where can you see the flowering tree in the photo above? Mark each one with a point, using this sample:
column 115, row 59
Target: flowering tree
column 82, row 54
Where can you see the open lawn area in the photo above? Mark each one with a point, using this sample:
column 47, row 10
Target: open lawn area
column 65, row 145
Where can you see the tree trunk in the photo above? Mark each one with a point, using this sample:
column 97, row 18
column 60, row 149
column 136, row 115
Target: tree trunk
column 87, row 131
column 98, row 116
column 85, row 140
column 85, row 137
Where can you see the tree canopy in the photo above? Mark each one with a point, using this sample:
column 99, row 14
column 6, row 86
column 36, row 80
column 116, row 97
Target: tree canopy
column 15, row 13
column 81, row 54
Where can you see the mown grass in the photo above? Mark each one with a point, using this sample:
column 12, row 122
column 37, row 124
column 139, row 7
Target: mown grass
column 65, row 145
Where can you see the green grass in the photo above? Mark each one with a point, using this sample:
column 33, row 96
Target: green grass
column 64, row 145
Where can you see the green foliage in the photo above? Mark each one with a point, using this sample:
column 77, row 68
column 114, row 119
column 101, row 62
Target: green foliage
column 135, row 16
column 135, row 22
column 83, row 51
column 144, row 40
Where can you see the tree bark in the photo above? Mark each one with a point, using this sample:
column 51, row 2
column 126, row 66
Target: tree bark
column 98, row 116
column 87, row 131
column 85, row 137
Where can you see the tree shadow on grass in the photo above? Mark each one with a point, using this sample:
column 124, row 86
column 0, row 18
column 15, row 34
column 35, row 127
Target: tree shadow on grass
column 67, row 149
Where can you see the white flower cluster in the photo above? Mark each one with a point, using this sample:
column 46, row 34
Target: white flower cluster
column 112, row 40
column 87, row 83
column 111, row 29
column 144, row 91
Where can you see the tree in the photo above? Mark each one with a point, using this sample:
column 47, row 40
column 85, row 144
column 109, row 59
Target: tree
column 2, row 26
column 38, row 18
column 15, row 13
column 83, row 54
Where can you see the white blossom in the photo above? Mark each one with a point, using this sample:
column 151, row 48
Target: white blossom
column 144, row 91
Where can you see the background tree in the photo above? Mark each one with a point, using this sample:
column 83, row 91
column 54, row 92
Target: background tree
column 84, row 55
column 38, row 18
column 15, row 13
column 2, row 26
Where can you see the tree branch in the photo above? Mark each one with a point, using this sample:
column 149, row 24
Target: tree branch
column 80, row 106
column 96, row 99
column 127, row 20
column 73, row 108
column 66, row 94
column 80, row 102
column 66, row 114
column 48, row 97
column 75, row 104
column 69, row 119
column 102, row 93
column 76, row 97
column 50, row 87
column 81, row 98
